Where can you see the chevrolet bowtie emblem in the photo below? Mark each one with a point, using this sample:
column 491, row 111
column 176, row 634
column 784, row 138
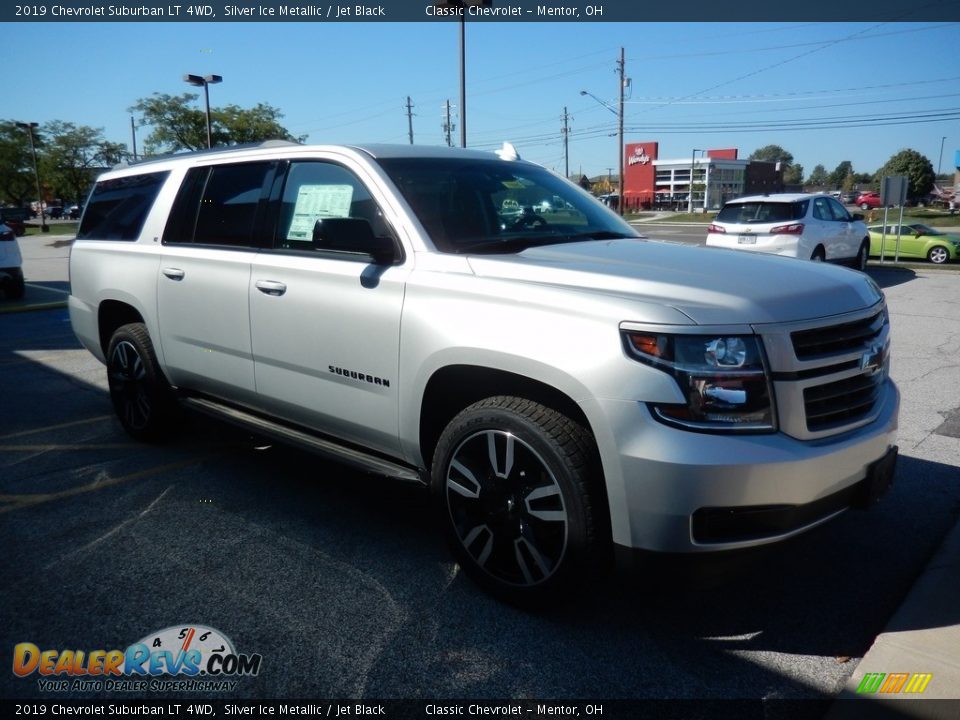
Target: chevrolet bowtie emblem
column 872, row 361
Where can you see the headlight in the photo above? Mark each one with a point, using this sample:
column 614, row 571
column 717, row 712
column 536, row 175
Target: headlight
column 723, row 378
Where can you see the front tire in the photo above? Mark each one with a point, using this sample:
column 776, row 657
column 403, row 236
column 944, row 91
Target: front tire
column 521, row 499
column 863, row 254
column 141, row 395
column 938, row 255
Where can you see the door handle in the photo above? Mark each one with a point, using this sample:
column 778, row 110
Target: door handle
column 173, row 273
column 271, row 287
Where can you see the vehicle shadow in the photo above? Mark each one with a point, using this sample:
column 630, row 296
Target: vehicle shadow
column 890, row 276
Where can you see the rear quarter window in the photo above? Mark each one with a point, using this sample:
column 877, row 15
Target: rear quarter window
column 118, row 207
column 762, row 212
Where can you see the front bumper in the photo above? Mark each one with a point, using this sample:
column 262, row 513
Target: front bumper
column 671, row 490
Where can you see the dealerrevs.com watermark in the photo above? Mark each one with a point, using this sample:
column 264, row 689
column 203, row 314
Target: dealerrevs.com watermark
column 180, row 658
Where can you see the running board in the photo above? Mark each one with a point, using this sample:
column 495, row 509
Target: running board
column 322, row 446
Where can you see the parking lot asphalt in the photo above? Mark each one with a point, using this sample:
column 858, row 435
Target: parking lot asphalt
column 922, row 637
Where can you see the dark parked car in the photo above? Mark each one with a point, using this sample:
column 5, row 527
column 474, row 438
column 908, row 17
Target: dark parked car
column 54, row 212
column 74, row 212
column 15, row 214
column 19, row 229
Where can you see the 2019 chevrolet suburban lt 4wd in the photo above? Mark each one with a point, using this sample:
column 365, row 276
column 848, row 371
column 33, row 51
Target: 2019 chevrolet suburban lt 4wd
column 565, row 387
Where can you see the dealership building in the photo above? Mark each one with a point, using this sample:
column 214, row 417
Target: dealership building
column 717, row 176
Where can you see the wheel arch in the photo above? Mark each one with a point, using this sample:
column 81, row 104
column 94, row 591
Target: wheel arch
column 454, row 387
column 112, row 314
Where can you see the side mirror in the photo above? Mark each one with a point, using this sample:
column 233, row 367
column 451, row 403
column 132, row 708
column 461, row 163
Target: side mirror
column 857, row 216
column 354, row 236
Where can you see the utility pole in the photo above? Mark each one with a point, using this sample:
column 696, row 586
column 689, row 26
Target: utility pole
column 447, row 125
column 410, row 119
column 566, row 151
column 620, row 70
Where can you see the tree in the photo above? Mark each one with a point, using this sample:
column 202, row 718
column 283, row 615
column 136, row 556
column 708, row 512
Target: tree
column 818, row 178
column 772, row 153
column 792, row 173
column 17, row 181
column 848, row 182
column 840, row 173
column 73, row 156
column 178, row 124
column 917, row 168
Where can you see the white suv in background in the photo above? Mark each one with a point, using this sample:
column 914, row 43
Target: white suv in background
column 813, row 226
column 11, row 270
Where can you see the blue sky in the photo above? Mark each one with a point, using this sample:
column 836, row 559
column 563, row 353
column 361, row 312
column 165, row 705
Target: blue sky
column 692, row 85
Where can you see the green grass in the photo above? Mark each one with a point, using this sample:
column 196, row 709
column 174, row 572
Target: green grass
column 67, row 228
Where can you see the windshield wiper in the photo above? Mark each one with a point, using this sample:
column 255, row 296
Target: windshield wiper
column 599, row 235
column 521, row 242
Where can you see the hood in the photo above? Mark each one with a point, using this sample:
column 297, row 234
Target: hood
column 711, row 286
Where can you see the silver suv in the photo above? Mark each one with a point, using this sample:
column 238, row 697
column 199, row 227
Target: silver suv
column 564, row 387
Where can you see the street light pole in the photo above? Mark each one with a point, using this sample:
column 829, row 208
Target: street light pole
column 619, row 114
column 693, row 165
column 463, row 81
column 36, row 172
column 205, row 81
column 133, row 137
column 619, row 139
column 940, row 161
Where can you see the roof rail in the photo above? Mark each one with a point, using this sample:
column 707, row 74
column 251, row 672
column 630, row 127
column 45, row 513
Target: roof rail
column 208, row 151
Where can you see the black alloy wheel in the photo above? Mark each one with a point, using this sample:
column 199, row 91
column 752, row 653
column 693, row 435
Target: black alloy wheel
column 141, row 396
column 521, row 501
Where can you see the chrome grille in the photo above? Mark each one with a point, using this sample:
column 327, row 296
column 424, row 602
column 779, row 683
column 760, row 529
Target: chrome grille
column 834, row 339
column 829, row 377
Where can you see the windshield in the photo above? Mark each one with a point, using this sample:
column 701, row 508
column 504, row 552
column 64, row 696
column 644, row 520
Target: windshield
column 497, row 206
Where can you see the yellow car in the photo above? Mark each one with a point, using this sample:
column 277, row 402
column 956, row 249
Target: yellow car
column 916, row 241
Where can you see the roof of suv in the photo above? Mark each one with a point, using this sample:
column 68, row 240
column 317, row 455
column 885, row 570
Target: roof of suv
column 374, row 150
column 775, row 197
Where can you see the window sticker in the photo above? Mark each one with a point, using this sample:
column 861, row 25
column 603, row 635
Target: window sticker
column 315, row 202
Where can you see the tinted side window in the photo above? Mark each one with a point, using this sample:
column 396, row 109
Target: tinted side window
column 315, row 190
column 839, row 211
column 117, row 208
column 220, row 205
column 821, row 209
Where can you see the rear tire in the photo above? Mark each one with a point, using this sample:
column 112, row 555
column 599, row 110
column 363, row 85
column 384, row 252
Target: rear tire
column 818, row 254
column 15, row 289
column 141, row 395
column 520, row 498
